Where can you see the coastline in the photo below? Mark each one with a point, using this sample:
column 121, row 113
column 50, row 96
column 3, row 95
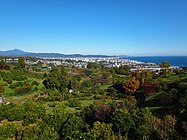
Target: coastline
column 179, row 61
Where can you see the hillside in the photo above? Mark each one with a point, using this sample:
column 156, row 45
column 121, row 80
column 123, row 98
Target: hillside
column 17, row 52
column 91, row 103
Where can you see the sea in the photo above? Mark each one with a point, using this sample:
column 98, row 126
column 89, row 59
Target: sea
column 180, row 61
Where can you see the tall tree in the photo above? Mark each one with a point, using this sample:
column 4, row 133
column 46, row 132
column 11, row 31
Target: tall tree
column 165, row 65
column 21, row 62
column 146, row 75
column 93, row 65
column 2, row 90
column 130, row 86
column 124, row 70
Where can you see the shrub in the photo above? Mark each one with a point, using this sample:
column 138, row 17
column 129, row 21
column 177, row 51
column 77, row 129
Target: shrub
column 74, row 103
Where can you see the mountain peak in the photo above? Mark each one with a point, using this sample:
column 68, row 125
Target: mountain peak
column 18, row 52
column 14, row 52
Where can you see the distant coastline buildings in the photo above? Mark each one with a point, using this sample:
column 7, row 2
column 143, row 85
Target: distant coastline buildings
column 82, row 62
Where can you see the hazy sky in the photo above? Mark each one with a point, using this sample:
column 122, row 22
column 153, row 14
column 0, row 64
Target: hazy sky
column 119, row 27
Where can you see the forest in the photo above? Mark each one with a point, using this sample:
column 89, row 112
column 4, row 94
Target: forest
column 93, row 103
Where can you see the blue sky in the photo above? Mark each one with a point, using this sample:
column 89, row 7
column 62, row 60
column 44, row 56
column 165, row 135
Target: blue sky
column 112, row 27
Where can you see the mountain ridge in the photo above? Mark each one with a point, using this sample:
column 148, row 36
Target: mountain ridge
column 21, row 53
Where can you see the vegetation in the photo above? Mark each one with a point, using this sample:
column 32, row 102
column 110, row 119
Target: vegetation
column 94, row 103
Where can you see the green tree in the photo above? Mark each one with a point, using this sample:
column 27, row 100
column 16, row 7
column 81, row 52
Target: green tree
column 130, row 102
column 56, row 118
column 112, row 91
column 165, row 67
column 165, row 64
column 102, row 130
column 88, row 72
column 146, row 76
column 73, row 127
column 57, row 79
column 86, row 83
column 93, row 65
column 124, row 70
column 149, row 127
column 21, row 62
column 8, row 130
column 37, row 131
column 106, row 78
column 122, row 122
column 63, row 71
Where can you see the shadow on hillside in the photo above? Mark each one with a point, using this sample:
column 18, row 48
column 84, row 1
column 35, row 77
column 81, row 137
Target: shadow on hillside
column 140, row 98
column 118, row 87
column 153, row 100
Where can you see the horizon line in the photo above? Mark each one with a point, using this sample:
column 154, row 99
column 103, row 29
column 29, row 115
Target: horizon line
column 115, row 55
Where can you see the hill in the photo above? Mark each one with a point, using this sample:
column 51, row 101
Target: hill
column 14, row 52
column 17, row 52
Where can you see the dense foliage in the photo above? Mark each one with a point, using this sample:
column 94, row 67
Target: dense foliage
column 94, row 103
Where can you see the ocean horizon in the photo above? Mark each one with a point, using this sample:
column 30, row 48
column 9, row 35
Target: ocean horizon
column 179, row 61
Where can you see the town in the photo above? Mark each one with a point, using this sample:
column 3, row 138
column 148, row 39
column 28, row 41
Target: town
column 82, row 62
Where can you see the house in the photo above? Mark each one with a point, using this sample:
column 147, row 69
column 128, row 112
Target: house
column 70, row 90
column 45, row 66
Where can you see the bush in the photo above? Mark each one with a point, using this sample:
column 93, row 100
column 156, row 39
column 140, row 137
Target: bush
column 8, row 131
column 8, row 80
column 74, row 103
column 35, row 83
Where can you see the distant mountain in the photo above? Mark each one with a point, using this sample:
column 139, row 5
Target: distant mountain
column 14, row 52
column 123, row 56
column 17, row 52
